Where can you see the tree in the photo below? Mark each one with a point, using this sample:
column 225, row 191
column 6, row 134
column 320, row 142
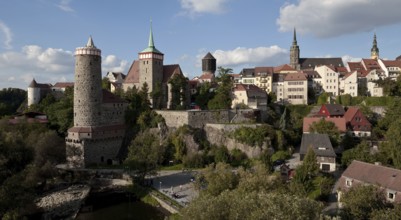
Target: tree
column 360, row 201
column 392, row 146
column 145, row 155
column 106, row 83
column 10, row 100
column 360, row 152
column 326, row 127
column 156, row 95
column 204, row 95
column 222, row 98
column 215, row 179
column 178, row 91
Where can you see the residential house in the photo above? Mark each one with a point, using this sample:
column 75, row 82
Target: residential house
column 331, row 111
column 392, row 68
column 349, row 84
column 264, row 78
column 295, row 89
column 357, row 124
column 315, row 82
column 247, row 76
column 278, row 86
column 362, row 173
column 116, row 80
column 321, row 145
column 330, row 79
column 250, row 95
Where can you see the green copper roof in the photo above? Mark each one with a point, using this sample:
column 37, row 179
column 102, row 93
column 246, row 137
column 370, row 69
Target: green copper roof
column 151, row 46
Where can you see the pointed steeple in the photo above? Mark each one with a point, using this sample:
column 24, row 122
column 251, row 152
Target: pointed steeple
column 294, row 41
column 33, row 84
column 90, row 43
column 374, row 52
column 151, row 45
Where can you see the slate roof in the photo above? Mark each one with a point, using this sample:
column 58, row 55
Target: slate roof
column 311, row 63
column 311, row 74
column 319, row 142
column 386, row 177
column 247, row 72
column 34, row 84
column 278, row 77
column 251, row 90
column 264, row 71
column 335, row 109
column 209, row 56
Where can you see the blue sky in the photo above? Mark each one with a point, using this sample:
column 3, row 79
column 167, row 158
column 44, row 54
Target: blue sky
column 38, row 37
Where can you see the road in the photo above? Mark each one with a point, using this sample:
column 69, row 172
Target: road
column 176, row 183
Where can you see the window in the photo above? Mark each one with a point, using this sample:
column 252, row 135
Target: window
column 391, row 195
column 348, row 183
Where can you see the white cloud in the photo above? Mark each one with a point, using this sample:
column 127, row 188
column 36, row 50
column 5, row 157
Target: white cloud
column 329, row 18
column 46, row 65
column 240, row 56
column 65, row 6
column 194, row 7
column 113, row 64
column 7, row 35
column 348, row 58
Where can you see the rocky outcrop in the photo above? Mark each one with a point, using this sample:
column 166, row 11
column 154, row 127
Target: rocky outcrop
column 218, row 134
column 63, row 204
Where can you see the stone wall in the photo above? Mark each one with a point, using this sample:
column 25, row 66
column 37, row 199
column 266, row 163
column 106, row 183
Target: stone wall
column 218, row 134
column 198, row 119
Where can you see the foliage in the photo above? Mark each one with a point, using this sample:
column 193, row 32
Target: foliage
column 222, row 99
column 204, row 95
column 215, row 179
column 387, row 214
column 322, row 98
column 238, row 204
column 106, row 83
column 361, row 152
column 253, row 136
column 344, row 99
column 145, row 155
column 156, row 95
column 360, row 201
column 392, row 147
column 10, row 100
column 178, row 91
column 280, row 155
column 326, row 127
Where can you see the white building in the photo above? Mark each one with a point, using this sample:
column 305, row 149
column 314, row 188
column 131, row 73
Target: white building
column 295, row 89
column 349, row 84
column 330, row 79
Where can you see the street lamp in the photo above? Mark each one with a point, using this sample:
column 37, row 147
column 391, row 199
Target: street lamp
column 160, row 187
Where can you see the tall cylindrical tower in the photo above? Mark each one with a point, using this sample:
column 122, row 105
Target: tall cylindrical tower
column 88, row 86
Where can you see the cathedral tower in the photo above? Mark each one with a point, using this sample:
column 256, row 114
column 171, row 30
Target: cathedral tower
column 150, row 64
column 294, row 53
column 374, row 52
column 87, row 87
column 209, row 64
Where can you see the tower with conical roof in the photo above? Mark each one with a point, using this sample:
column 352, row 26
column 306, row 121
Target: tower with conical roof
column 374, row 52
column 209, row 64
column 87, row 87
column 151, row 64
column 294, row 53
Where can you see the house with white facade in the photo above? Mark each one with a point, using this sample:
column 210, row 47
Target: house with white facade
column 249, row 95
column 295, row 89
column 330, row 79
column 349, row 84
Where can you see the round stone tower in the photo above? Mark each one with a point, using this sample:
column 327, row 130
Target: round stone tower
column 88, row 86
column 209, row 63
column 33, row 93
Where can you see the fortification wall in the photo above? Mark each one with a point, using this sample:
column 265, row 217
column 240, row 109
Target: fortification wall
column 174, row 119
column 218, row 134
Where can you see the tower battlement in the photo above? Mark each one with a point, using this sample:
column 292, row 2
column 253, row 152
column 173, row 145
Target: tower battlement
column 88, row 51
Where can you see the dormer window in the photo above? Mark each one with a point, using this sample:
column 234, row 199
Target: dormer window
column 391, row 195
column 348, row 182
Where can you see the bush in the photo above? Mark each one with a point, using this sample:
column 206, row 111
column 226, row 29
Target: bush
column 280, row 155
column 193, row 161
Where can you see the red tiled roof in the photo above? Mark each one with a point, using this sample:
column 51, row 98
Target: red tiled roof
column 339, row 122
column 133, row 73
column 392, row 63
column 350, row 113
column 295, row 76
column 64, row 84
column 266, row 69
column 206, row 75
column 284, row 67
column 382, row 176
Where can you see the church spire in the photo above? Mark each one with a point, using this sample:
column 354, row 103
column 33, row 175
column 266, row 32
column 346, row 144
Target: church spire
column 294, row 41
column 374, row 52
column 294, row 53
column 151, row 45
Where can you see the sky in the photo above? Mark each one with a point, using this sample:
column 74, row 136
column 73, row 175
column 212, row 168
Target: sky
column 38, row 37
